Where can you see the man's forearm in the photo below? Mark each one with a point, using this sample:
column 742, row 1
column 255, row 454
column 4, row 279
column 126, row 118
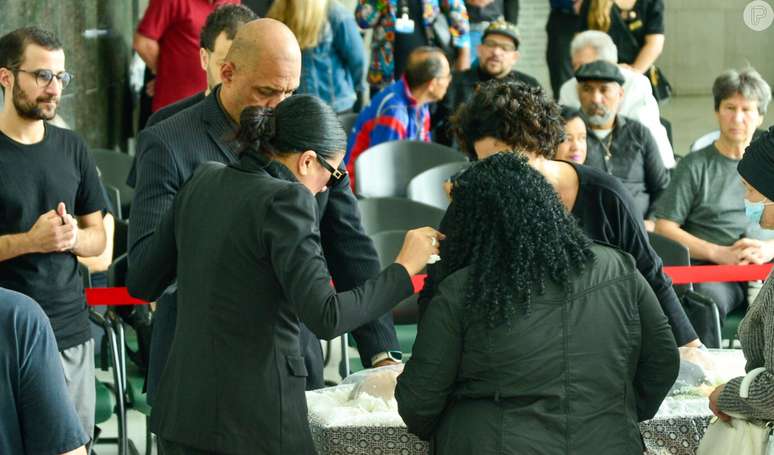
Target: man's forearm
column 148, row 50
column 698, row 248
column 90, row 242
column 13, row 245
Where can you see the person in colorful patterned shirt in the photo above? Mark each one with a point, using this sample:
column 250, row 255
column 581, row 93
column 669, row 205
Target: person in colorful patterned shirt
column 400, row 110
column 403, row 25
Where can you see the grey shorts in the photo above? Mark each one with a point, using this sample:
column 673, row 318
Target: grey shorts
column 78, row 363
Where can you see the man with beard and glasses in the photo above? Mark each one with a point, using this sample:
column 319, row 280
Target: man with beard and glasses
column 498, row 53
column 50, row 203
column 618, row 145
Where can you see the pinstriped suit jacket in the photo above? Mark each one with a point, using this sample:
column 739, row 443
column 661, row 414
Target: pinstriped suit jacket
column 169, row 152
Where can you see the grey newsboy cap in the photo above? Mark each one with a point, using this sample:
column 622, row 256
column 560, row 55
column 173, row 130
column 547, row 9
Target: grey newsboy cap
column 600, row 70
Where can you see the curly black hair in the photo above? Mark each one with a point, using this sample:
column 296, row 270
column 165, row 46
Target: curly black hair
column 507, row 223
column 520, row 115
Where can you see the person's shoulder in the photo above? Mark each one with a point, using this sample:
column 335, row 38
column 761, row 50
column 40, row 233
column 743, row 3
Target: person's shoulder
column 183, row 125
column 610, row 263
column 338, row 13
column 636, row 82
column 64, row 134
column 174, row 109
column 599, row 180
column 525, row 78
column 699, row 158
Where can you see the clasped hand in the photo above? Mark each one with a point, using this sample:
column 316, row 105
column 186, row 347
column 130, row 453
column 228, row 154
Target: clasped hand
column 54, row 231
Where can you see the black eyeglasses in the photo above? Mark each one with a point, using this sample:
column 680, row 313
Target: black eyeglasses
column 44, row 77
column 502, row 46
column 336, row 174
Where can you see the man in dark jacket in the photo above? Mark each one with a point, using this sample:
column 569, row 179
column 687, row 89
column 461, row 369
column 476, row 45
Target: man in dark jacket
column 169, row 152
column 620, row 146
column 498, row 53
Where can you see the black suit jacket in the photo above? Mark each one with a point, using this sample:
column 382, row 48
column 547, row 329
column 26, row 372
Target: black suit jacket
column 168, row 154
column 244, row 244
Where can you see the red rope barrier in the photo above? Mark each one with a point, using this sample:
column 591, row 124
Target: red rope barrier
column 717, row 273
column 679, row 275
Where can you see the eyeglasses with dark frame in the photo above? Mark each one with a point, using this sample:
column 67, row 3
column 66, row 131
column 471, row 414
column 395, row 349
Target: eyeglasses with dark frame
column 336, row 174
column 44, row 77
column 492, row 44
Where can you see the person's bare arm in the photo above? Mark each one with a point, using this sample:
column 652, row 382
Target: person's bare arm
column 48, row 234
column 463, row 59
column 148, row 50
column 90, row 240
column 102, row 262
column 654, row 45
column 699, row 249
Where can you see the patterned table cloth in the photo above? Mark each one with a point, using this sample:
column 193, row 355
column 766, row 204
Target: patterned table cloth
column 675, row 430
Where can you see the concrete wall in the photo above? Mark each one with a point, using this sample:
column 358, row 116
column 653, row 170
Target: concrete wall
column 705, row 37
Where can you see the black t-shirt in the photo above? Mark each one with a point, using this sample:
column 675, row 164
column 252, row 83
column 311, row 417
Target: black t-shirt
column 629, row 28
column 489, row 13
column 33, row 180
column 36, row 414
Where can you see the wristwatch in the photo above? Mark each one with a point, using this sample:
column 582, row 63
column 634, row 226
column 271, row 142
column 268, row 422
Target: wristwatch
column 395, row 356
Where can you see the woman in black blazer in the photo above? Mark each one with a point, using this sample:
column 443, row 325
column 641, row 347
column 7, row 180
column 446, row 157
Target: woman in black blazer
column 244, row 243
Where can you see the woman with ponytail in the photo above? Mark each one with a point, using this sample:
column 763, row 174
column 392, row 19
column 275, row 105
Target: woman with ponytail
column 636, row 26
column 244, row 243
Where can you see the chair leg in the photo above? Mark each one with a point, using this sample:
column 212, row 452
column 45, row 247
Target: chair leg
column 148, row 437
column 345, row 354
column 123, row 447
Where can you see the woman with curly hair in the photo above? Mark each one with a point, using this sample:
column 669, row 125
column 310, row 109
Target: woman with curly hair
column 507, row 116
column 538, row 340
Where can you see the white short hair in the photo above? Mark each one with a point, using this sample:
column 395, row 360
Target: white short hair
column 599, row 41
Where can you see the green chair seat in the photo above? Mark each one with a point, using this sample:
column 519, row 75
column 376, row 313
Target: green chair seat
column 731, row 325
column 105, row 403
column 406, row 335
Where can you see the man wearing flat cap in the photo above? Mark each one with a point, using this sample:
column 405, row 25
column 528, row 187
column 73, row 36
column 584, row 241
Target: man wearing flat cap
column 703, row 207
column 497, row 56
column 618, row 145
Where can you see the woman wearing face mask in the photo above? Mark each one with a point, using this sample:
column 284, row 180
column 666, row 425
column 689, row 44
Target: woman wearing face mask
column 244, row 243
column 756, row 331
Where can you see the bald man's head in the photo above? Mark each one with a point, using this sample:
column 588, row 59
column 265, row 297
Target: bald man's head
column 262, row 68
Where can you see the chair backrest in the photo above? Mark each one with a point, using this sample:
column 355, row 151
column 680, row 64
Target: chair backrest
column 390, row 214
column 120, row 238
column 114, row 168
column 388, row 245
column 672, row 253
column 427, row 187
column 117, row 271
column 348, row 122
column 114, row 197
column 385, row 169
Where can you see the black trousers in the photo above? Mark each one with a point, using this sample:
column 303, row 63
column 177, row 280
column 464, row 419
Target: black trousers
column 727, row 296
column 561, row 27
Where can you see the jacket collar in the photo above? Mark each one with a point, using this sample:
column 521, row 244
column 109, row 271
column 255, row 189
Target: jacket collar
column 220, row 128
column 253, row 161
column 411, row 101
